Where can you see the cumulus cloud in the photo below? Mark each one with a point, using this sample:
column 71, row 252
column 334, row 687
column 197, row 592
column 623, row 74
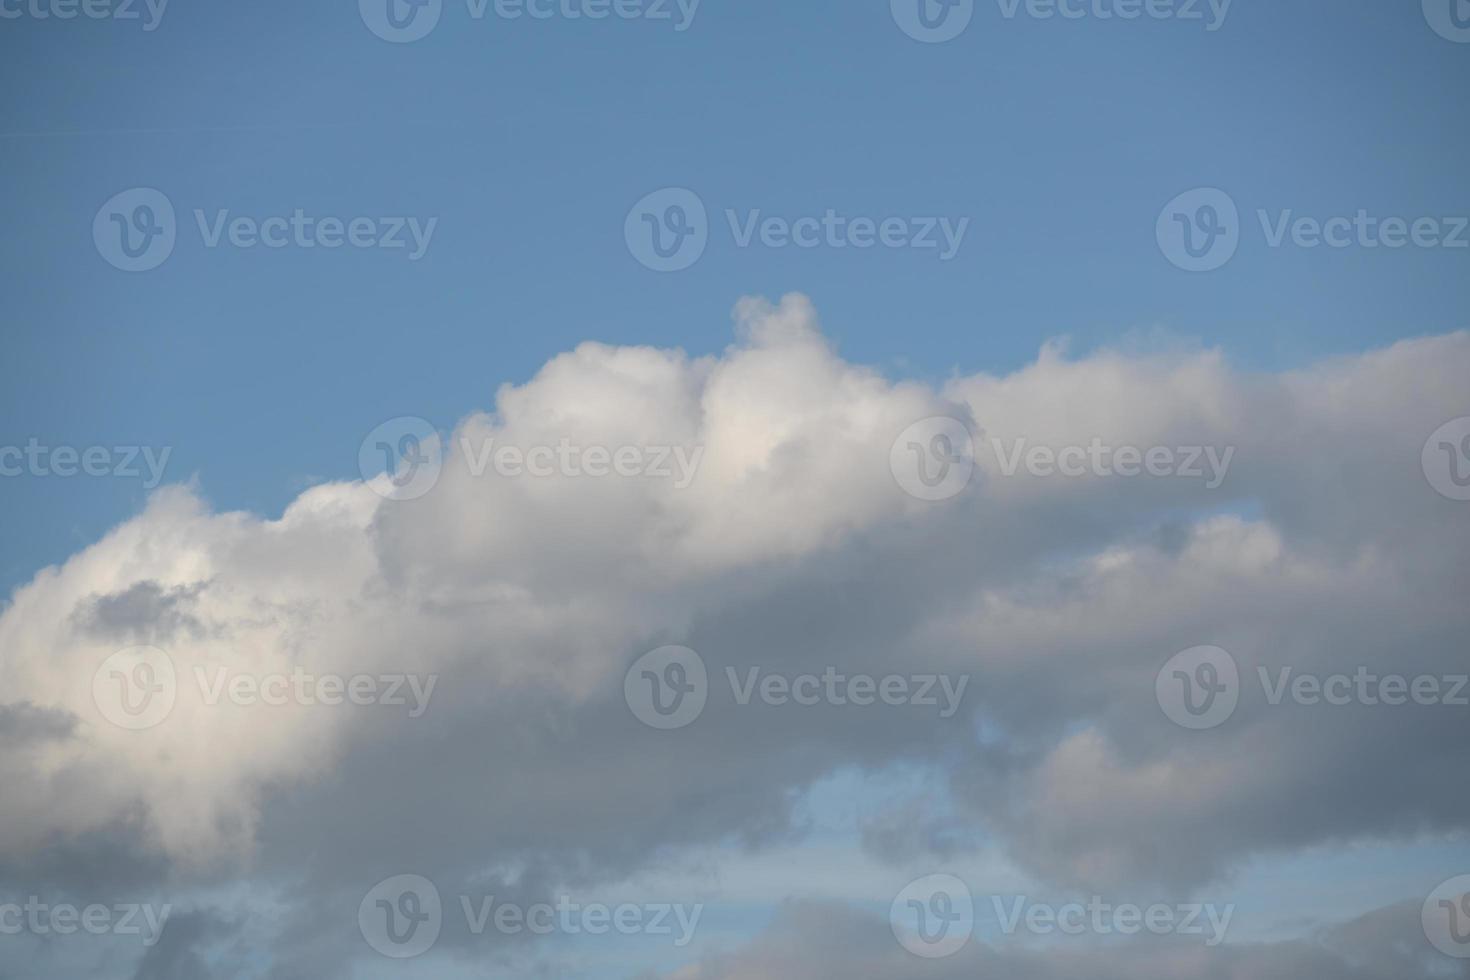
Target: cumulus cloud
column 793, row 549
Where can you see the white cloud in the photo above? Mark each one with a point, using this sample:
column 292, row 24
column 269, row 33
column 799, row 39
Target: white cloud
column 793, row 546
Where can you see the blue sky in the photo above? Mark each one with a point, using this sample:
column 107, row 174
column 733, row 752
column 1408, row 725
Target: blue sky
column 1055, row 142
column 529, row 140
